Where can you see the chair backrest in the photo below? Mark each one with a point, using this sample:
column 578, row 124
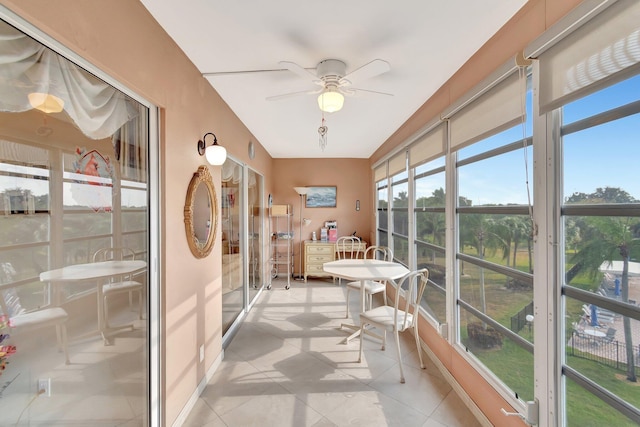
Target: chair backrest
column 348, row 247
column 114, row 254
column 409, row 291
column 382, row 253
column 611, row 332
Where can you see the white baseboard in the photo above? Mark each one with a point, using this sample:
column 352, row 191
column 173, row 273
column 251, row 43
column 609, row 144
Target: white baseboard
column 182, row 417
column 469, row 403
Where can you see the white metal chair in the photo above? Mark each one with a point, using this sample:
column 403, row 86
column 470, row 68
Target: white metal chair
column 402, row 316
column 371, row 287
column 21, row 319
column 347, row 247
column 118, row 284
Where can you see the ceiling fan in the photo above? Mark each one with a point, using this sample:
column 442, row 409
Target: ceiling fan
column 334, row 81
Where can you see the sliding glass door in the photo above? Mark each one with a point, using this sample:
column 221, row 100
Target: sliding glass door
column 74, row 180
column 242, row 236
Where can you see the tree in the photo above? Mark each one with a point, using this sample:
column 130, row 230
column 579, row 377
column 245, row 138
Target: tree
column 400, row 213
column 431, row 226
column 482, row 233
column 612, row 238
column 605, row 239
column 602, row 195
column 513, row 229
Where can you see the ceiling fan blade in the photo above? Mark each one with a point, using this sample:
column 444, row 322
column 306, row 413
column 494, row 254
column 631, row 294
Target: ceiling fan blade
column 300, row 71
column 371, row 69
column 237, row 73
column 353, row 91
column 293, row 94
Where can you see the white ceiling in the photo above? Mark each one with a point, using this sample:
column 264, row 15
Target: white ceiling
column 424, row 41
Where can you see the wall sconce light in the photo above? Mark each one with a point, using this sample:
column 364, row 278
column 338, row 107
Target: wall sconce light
column 215, row 154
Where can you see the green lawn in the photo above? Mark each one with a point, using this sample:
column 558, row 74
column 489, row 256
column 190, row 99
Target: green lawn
column 514, row 365
column 584, row 409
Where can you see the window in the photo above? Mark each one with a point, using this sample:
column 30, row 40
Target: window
column 430, row 234
column 601, row 219
column 585, row 281
column 400, row 217
column 495, row 249
column 382, row 208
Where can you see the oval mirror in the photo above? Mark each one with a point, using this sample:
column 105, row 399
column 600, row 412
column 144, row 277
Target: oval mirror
column 201, row 213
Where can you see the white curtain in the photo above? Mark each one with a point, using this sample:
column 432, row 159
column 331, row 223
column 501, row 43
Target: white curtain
column 602, row 52
column 496, row 110
column 428, row 147
column 130, row 146
column 380, row 172
column 398, row 163
column 26, row 66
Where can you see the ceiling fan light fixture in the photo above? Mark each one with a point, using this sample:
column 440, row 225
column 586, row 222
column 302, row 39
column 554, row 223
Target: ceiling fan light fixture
column 46, row 102
column 330, row 101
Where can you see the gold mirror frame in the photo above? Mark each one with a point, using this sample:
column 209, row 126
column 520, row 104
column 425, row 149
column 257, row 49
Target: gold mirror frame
column 201, row 177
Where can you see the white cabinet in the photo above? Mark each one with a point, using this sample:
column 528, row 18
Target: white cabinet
column 281, row 243
column 317, row 252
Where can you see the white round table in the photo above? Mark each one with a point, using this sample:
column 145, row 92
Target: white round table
column 92, row 270
column 95, row 271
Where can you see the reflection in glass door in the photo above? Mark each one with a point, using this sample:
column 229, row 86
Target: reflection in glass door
column 81, row 188
column 232, row 247
column 254, row 199
column 241, row 224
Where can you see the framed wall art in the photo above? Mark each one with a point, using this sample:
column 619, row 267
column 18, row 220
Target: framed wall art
column 322, row 197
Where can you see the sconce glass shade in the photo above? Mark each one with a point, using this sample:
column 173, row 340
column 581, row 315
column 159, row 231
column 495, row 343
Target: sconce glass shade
column 301, row 190
column 216, row 154
column 45, row 102
column 330, row 101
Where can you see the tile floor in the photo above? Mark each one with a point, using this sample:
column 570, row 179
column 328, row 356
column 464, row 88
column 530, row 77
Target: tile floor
column 288, row 366
column 103, row 386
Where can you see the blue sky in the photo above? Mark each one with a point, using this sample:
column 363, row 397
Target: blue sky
column 609, row 154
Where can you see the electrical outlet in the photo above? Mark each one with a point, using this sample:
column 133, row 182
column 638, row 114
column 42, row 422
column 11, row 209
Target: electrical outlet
column 202, row 352
column 44, row 386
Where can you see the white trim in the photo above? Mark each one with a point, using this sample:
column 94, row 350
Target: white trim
column 202, row 385
column 452, row 278
column 543, row 258
column 155, row 261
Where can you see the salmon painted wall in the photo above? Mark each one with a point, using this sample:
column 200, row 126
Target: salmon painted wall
column 120, row 38
column 352, row 178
